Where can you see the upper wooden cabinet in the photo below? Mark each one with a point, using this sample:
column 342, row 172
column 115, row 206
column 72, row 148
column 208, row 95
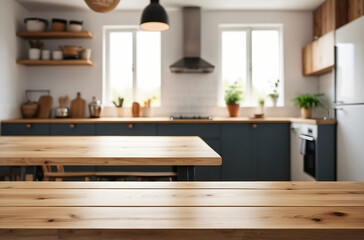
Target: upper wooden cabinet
column 318, row 56
column 329, row 16
column 355, row 9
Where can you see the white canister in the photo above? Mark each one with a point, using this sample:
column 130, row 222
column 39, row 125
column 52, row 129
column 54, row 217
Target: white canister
column 34, row 54
column 86, row 54
column 57, row 55
column 46, row 55
column 146, row 111
column 75, row 26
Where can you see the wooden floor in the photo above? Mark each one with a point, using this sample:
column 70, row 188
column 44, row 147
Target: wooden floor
column 182, row 210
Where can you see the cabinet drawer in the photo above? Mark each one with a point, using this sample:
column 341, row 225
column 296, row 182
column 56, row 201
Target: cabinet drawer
column 72, row 129
column 126, row 129
column 201, row 130
column 25, row 129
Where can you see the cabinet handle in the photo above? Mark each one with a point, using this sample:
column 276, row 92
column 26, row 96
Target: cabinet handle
column 72, row 125
column 28, row 125
column 254, row 125
column 130, row 126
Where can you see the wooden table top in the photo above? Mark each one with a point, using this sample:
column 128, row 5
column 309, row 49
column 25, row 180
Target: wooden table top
column 180, row 205
column 91, row 150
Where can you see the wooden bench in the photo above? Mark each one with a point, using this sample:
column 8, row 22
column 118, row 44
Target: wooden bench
column 182, row 210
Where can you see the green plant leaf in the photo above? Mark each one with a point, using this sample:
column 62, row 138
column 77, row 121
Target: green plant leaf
column 234, row 94
column 308, row 101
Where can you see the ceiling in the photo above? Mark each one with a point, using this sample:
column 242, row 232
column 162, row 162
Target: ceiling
column 69, row 5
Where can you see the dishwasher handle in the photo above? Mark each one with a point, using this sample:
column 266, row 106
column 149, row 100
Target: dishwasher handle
column 307, row 138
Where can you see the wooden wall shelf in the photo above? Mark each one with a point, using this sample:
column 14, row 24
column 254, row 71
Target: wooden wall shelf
column 55, row 62
column 54, row 35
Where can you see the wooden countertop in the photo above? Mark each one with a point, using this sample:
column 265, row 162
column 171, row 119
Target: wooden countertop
column 106, row 150
column 179, row 210
column 167, row 120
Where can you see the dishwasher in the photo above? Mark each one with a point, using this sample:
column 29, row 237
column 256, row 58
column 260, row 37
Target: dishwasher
column 303, row 152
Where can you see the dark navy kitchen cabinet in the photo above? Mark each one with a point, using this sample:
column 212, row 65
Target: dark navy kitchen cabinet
column 250, row 152
column 132, row 129
column 72, row 129
column 255, row 152
column 25, row 129
column 210, row 133
column 238, row 151
column 272, row 151
column 201, row 130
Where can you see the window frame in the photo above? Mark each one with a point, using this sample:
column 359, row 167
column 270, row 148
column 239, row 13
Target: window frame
column 248, row 28
column 106, row 61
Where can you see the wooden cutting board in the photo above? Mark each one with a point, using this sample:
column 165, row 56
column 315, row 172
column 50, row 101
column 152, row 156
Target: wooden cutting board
column 78, row 107
column 44, row 106
column 135, row 110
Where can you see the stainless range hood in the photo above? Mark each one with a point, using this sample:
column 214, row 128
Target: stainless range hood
column 191, row 62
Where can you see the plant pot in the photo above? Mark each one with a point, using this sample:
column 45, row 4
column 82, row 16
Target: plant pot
column 306, row 113
column 120, row 111
column 233, row 109
column 261, row 107
column 274, row 101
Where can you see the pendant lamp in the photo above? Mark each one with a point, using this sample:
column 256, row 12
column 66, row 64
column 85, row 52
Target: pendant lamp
column 154, row 17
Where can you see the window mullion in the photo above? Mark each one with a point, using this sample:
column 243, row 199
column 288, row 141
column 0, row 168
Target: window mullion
column 249, row 66
column 135, row 93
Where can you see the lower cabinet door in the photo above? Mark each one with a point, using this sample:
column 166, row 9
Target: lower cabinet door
column 238, row 152
column 72, row 129
column 25, row 129
column 273, row 152
column 131, row 129
column 209, row 173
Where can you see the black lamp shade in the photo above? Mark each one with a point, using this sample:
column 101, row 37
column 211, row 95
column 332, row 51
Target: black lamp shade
column 154, row 17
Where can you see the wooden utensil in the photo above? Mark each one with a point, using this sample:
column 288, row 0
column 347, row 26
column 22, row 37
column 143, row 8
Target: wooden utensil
column 63, row 101
column 135, row 110
column 78, row 107
column 44, row 106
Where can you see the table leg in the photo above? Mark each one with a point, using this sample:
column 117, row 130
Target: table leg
column 191, row 173
column 23, row 173
column 186, row 173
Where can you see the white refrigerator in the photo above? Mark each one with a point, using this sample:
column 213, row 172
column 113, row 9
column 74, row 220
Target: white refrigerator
column 350, row 101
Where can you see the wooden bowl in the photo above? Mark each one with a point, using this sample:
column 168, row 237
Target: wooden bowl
column 29, row 110
column 71, row 51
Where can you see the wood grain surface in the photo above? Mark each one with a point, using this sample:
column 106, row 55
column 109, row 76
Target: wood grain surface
column 44, row 107
column 54, row 35
column 178, row 197
column 78, row 107
column 106, row 150
column 167, row 120
column 294, row 185
column 182, row 210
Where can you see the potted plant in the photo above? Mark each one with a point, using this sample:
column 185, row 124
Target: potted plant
column 119, row 106
column 306, row 102
column 233, row 95
column 274, row 96
column 261, row 105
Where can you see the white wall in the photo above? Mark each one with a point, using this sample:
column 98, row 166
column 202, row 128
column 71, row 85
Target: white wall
column 181, row 93
column 12, row 76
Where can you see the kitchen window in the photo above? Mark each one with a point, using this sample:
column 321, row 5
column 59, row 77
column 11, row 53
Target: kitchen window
column 252, row 56
column 132, row 65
